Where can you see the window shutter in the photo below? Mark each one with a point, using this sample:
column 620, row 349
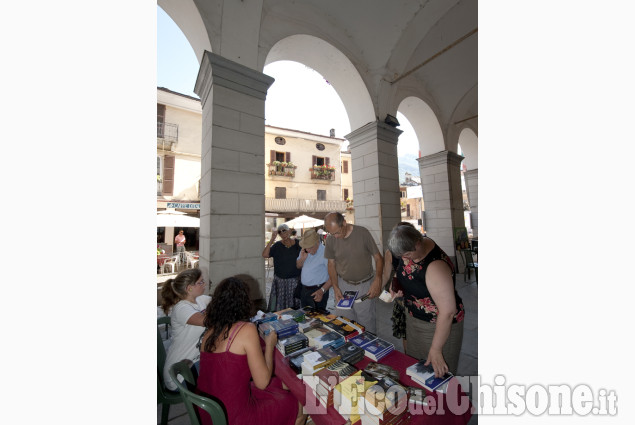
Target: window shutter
column 168, row 175
column 272, row 156
column 345, row 171
column 160, row 120
column 314, row 161
column 345, row 194
column 327, row 162
column 288, row 157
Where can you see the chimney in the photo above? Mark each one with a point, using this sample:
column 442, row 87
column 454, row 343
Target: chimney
column 332, row 132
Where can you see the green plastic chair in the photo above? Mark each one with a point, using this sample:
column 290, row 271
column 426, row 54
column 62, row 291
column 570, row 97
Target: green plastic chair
column 213, row 407
column 164, row 396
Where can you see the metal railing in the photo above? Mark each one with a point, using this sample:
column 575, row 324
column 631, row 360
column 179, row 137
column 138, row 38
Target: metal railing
column 303, row 205
column 168, row 131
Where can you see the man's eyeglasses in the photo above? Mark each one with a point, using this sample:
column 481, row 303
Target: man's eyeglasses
column 338, row 232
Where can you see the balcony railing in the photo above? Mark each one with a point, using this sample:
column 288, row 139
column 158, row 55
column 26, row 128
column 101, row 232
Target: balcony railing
column 168, row 131
column 283, row 169
column 303, row 205
column 322, row 172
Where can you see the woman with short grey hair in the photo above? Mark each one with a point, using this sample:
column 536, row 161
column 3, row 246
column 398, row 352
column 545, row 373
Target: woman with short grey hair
column 434, row 323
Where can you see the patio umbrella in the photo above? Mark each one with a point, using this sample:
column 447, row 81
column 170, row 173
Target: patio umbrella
column 304, row 221
column 176, row 219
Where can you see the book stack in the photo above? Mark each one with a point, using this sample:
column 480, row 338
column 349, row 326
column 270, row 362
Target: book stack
column 296, row 359
column 289, row 313
column 385, row 403
column 292, row 344
column 345, row 327
column 378, row 349
column 263, row 318
column 284, row 328
column 322, row 336
column 375, row 348
column 329, row 377
column 424, row 376
column 347, row 393
column 309, row 323
column 350, row 353
column 313, row 312
column 416, row 398
column 318, row 359
column 363, row 339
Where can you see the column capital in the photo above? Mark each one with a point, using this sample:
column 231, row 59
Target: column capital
column 471, row 173
column 374, row 130
column 217, row 70
column 443, row 157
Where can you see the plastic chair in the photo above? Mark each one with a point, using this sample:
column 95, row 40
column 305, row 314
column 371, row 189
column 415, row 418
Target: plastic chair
column 469, row 265
column 171, row 263
column 164, row 396
column 190, row 260
column 213, row 407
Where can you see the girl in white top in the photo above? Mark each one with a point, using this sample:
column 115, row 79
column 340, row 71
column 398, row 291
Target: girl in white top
column 184, row 302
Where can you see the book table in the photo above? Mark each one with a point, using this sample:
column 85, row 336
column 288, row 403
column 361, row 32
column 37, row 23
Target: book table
column 440, row 413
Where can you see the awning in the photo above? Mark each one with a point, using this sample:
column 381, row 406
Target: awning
column 176, row 219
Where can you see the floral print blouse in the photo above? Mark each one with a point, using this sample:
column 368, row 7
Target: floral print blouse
column 418, row 301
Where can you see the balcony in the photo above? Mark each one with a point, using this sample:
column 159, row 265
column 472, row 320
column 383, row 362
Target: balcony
column 303, row 205
column 167, row 135
column 282, row 169
column 322, row 172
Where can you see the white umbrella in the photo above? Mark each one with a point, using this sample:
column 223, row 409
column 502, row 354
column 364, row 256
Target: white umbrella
column 304, row 221
column 176, row 219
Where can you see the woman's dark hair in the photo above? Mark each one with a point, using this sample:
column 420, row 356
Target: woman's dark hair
column 230, row 304
column 175, row 290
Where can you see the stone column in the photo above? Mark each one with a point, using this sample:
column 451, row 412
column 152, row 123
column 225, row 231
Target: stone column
column 471, row 185
column 376, row 179
column 232, row 234
column 442, row 197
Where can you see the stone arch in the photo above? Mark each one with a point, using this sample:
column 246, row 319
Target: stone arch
column 425, row 124
column 186, row 16
column 333, row 65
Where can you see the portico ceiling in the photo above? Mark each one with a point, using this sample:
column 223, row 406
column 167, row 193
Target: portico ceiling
column 398, row 49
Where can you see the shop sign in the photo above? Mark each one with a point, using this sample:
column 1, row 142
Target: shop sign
column 186, row 206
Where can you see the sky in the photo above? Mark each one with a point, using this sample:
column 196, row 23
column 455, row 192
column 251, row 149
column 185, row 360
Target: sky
column 299, row 99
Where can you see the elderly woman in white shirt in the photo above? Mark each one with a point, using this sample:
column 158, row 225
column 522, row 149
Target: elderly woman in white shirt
column 184, row 302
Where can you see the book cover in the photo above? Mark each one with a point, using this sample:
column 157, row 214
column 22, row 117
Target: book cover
column 424, row 375
column 363, row 339
column 378, row 346
column 348, row 298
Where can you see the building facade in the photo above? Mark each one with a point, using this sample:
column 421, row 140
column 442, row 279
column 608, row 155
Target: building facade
column 178, row 160
column 305, row 173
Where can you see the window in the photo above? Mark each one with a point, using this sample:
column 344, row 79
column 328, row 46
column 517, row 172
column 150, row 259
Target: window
column 279, row 156
column 281, row 193
column 408, row 210
column 320, row 146
column 280, row 140
column 403, row 194
column 321, row 195
column 345, row 194
column 320, row 160
column 345, row 167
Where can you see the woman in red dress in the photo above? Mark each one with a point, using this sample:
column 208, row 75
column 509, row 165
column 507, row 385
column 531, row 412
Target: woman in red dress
column 233, row 368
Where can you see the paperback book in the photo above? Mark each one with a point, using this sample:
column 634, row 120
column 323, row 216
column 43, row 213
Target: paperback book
column 378, row 349
column 424, row 375
column 363, row 339
column 348, row 298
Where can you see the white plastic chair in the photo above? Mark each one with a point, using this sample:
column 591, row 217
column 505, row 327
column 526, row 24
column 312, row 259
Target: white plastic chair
column 171, row 263
column 191, row 261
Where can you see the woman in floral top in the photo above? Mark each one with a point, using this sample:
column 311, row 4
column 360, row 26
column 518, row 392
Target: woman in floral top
column 434, row 323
